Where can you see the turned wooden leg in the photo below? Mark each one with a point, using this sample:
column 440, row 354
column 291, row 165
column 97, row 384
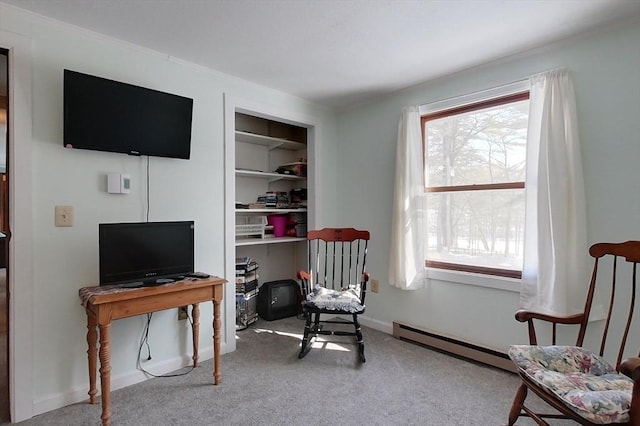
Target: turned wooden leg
column 196, row 332
column 105, row 373
column 516, row 407
column 92, row 352
column 217, row 373
column 305, row 347
column 359, row 339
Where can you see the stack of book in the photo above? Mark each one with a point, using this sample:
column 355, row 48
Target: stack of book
column 270, row 200
column 246, row 292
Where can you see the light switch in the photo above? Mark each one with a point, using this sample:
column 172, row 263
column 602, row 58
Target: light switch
column 64, row 216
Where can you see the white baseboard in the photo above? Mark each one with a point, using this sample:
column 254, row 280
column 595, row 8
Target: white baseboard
column 385, row 327
column 81, row 393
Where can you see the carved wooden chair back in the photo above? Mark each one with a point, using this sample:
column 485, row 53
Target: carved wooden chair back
column 335, row 283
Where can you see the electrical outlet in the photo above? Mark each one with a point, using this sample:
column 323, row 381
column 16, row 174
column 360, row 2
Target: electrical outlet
column 375, row 286
column 64, row 216
column 183, row 313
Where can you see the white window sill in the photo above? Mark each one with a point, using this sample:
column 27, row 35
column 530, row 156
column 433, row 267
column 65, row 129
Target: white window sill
column 481, row 280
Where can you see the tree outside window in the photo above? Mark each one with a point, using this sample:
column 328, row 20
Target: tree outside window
column 475, row 158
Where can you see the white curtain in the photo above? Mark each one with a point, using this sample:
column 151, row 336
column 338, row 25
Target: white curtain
column 556, row 261
column 406, row 265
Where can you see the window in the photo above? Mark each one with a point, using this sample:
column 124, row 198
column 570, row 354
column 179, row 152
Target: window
column 475, row 157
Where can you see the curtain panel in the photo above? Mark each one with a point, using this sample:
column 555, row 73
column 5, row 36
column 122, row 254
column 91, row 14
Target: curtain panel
column 407, row 257
column 556, row 262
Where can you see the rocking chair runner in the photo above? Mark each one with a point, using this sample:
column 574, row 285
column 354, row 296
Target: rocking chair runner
column 335, row 283
column 578, row 383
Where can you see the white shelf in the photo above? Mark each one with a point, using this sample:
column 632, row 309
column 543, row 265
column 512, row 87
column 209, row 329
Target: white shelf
column 272, row 177
column 272, row 240
column 268, row 141
column 274, row 211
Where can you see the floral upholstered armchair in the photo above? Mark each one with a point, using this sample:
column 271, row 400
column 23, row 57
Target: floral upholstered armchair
column 579, row 384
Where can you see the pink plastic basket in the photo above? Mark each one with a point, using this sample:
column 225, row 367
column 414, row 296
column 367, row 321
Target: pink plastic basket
column 279, row 223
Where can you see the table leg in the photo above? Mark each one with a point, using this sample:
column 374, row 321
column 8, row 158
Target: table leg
column 196, row 332
column 105, row 373
column 216, row 342
column 92, row 352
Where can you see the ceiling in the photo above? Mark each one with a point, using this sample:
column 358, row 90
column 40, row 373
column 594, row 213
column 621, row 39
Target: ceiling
column 337, row 52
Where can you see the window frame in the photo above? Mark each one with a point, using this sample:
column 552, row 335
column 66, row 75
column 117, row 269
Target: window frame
column 460, row 108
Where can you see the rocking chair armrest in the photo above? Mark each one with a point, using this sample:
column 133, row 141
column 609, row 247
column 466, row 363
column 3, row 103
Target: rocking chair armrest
column 630, row 367
column 303, row 275
column 305, row 283
column 524, row 315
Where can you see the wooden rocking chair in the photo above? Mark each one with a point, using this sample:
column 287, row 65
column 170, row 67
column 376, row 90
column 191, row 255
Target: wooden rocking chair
column 335, row 284
column 578, row 383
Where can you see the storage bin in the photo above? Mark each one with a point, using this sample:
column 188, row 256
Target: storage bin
column 279, row 223
column 253, row 227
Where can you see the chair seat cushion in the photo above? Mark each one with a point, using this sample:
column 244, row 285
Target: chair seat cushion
column 582, row 380
column 335, row 300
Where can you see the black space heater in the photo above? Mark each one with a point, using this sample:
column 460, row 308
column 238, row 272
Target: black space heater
column 278, row 299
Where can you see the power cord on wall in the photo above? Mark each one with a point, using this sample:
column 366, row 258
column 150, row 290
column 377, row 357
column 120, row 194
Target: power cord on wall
column 144, row 341
column 148, row 181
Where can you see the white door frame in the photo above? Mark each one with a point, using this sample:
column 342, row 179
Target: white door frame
column 233, row 104
column 20, row 277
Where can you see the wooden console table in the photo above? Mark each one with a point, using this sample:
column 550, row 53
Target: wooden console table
column 108, row 303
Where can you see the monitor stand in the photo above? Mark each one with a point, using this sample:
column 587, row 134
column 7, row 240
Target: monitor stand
column 158, row 281
column 134, row 284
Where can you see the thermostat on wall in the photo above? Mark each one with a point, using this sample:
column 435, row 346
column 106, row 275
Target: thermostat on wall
column 118, row 183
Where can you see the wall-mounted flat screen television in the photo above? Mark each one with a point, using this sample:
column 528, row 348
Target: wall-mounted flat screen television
column 107, row 115
column 145, row 252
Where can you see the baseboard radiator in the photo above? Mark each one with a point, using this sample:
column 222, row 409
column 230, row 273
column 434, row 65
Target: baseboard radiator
column 470, row 351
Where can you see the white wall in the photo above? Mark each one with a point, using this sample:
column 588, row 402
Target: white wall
column 66, row 259
column 605, row 67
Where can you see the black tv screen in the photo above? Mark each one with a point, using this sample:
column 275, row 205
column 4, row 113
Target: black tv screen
column 106, row 115
column 145, row 251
